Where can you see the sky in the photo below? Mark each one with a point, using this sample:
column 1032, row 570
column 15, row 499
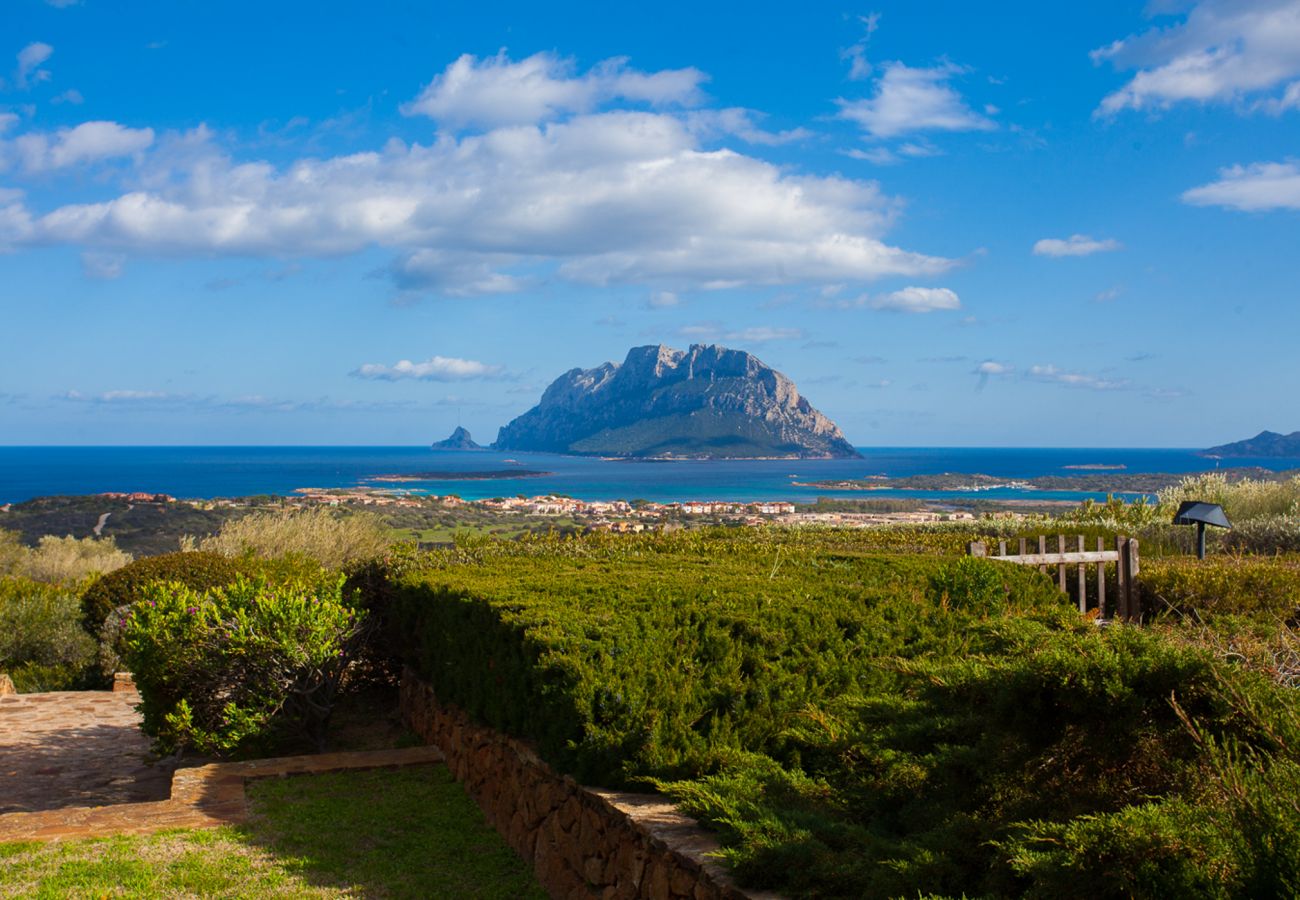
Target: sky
column 1011, row 224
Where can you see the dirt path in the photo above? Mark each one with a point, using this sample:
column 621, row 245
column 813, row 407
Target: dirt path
column 99, row 526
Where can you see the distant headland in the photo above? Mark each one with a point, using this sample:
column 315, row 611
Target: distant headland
column 1264, row 444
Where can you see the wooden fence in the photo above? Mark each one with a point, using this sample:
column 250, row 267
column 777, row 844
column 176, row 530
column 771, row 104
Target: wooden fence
column 1124, row 556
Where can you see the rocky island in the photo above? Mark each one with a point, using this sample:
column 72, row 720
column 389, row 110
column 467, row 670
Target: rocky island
column 460, row 439
column 707, row 402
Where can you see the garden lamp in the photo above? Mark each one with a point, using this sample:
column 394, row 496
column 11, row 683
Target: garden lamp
column 1194, row 512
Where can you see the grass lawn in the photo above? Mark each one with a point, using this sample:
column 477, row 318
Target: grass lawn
column 404, row 833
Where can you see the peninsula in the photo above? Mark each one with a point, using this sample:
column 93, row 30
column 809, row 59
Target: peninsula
column 1264, row 444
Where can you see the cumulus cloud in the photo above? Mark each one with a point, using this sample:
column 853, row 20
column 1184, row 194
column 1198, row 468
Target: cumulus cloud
column 1224, row 50
column 29, row 69
column 916, row 300
column 1253, row 188
column 436, row 368
column 1051, row 374
column 609, row 197
column 991, row 368
column 1074, row 245
column 498, row 91
column 909, row 100
column 86, row 143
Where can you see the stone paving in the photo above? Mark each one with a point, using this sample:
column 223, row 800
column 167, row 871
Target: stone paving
column 75, row 748
column 75, row 765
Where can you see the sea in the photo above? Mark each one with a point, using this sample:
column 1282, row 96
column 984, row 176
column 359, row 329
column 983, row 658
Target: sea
column 206, row 472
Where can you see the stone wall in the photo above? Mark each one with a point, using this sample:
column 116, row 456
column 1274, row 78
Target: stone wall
column 582, row 842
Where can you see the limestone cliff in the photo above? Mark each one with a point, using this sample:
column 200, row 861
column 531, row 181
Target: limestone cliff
column 707, row 402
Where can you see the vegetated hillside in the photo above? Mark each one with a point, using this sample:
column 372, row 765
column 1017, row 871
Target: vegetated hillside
column 143, row 529
column 705, row 403
column 870, row 725
column 1266, row 443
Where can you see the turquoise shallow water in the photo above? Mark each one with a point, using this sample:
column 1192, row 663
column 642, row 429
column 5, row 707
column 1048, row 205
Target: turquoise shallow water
column 201, row 472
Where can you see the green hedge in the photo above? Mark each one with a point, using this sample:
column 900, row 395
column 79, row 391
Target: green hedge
column 863, row 725
column 668, row 656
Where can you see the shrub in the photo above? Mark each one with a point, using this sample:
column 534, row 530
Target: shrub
column 669, row 654
column 983, row 586
column 1221, row 585
column 1266, row 534
column 123, row 587
column 240, row 668
column 1051, row 764
column 42, row 646
column 862, row 725
column 1241, row 500
column 69, row 559
column 12, row 552
column 333, row 539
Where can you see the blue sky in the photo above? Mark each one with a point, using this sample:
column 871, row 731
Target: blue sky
column 950, row 224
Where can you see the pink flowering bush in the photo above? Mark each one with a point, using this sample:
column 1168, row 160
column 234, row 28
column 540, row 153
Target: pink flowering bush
column 239, row 669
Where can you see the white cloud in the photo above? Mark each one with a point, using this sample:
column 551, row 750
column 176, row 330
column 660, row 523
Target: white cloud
column 917, row 300
column 992, row 367
column 71, row 95
column 87, row 142
column 1051, row 374
column 436, row 368
column 1253, row 188
column 119, row 396
column 663, row 300
column 859, row 66
column 620, row 196
column 454, row 274
column 102, row 266
column 1225, row 50
column 29, row 69
column 7, row 120
column 712, row 332
column 1074, row 245
column 910, row 99
column 742, row 123
column 498, row 91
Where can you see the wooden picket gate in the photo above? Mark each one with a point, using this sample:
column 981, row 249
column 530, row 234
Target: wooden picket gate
column 1124, row 556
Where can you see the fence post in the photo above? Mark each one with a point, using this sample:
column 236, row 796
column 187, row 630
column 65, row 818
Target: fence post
column 1135, row 601
column 1122, row 600
column 1083, row 580
column 1101, row 581
column 977, row 548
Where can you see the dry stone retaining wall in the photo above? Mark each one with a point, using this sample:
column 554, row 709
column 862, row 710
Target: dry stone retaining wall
column 582, row 842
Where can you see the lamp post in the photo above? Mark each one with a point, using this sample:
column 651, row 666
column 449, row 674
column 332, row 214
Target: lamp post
column 1194, row 512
